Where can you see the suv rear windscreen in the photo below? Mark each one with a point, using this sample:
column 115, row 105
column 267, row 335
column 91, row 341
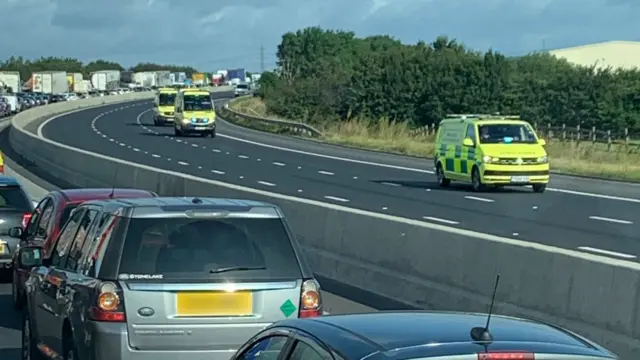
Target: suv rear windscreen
column 14, row 199
column 238, row 249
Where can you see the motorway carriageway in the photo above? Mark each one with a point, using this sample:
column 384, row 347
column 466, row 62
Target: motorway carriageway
column 575, row 213
column 10, row 320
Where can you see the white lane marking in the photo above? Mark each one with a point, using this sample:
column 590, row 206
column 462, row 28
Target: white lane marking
column 136, row 149
column 334, row 207
column 299, row 190
column 326, row 156
column 183, row 163
column 479, row 199
column 216, row 150
column 277, row 163
column 218, row 172
column 336, row 198
column 155, row 155
column 243, row 156
column 194, row 145
column 389, row 183
column 617, row 221
column 601, row 196
column 266, row 183
column 445, row 221
column 325, row 172
column 607, row 252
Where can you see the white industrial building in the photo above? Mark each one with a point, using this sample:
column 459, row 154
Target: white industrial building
column 617, row 54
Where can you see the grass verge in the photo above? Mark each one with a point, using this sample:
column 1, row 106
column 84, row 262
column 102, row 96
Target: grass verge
column 584, row 159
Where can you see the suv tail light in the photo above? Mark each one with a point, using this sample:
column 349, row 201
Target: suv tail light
column 510, row 355
column 109, row 304
column 310, row 299
column 1, row 168
column 25, row 220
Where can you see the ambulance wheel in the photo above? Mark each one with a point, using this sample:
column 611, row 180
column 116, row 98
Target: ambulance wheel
column 442, row 180
column 176, row 132
column 539, row 188
column 476, row 180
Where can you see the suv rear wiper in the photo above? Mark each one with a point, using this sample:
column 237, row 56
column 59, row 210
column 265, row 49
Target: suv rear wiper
column 236, row 268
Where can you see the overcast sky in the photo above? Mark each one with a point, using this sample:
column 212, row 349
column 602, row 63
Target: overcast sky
column 211, row 34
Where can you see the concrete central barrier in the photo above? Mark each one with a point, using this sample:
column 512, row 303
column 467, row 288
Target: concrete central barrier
column 420, row 264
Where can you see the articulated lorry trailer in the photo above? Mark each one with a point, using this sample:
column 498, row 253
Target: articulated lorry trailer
column 105, row 80
column 10, row 79
column 50, row 82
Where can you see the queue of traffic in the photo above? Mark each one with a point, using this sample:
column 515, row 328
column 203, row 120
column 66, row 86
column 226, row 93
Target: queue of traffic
column 126, row 274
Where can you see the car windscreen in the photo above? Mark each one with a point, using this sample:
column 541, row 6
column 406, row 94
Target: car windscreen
column 12, row 198
column 65, row 214
column 166, row 99
column 506, row 134
column 238, row 249
column 198, row 103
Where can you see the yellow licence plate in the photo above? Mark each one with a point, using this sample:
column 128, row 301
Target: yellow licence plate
column 206, row 303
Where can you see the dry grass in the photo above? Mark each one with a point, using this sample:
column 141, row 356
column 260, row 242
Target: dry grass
column 567, row 157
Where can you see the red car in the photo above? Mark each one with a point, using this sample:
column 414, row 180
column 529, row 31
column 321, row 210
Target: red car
column 49, row 217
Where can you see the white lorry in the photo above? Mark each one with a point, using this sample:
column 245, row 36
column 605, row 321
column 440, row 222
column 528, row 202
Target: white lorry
column 145, row 78
column 11, row 79
column 105, row 80
column 164, row 79
column 50, row 82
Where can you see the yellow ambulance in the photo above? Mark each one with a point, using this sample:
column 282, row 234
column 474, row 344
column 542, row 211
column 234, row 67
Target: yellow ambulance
column 489, row 151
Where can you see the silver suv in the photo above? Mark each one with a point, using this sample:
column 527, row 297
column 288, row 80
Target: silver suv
column 164, row 278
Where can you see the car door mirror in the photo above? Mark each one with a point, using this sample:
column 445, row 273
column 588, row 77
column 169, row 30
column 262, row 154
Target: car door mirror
column 30, row 257
column 468, row 142
column 16, row 232
column 542, row 142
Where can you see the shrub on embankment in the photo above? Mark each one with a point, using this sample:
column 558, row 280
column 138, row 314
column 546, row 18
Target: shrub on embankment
column 333, row 76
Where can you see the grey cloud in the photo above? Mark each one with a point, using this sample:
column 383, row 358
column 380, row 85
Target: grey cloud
column 229, row 33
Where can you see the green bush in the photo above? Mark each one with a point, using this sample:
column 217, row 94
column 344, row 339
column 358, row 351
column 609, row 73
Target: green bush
column 332, row 76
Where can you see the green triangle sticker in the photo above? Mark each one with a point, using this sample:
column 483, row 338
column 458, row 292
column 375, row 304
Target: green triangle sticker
column 288, row 308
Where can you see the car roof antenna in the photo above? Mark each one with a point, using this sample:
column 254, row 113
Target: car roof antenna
column 113, row 185
column 482, row 334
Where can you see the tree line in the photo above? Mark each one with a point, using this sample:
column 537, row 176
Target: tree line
column 72, row 65
column 327, row 75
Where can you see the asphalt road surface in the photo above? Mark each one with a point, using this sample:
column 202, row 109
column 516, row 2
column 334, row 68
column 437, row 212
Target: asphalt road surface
column 583, row 214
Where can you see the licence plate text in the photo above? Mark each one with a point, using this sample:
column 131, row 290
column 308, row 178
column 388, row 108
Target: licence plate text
column 208, row 303
column 519, row 179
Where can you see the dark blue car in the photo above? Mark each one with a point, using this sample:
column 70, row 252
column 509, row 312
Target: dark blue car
column 417, row 335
